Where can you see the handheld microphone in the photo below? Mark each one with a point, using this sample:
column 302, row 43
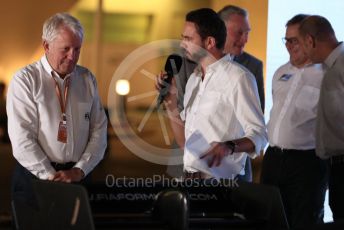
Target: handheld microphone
column 172, row 67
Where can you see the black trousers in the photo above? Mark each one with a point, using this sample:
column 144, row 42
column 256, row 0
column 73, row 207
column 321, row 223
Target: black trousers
column 21, row 188
column 336, row 189
column 302, row 179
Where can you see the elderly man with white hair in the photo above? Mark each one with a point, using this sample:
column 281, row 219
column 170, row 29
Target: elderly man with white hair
column 57, row 124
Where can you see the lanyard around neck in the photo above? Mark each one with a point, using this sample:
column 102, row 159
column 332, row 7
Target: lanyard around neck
column 63, row 103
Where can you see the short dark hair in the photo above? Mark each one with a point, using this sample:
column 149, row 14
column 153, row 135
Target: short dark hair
column 297, row 19
column 208, row 23
column 230, row 10
column 318, row 27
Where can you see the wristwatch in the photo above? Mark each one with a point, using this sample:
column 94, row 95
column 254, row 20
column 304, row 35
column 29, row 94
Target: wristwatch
column 231, row 145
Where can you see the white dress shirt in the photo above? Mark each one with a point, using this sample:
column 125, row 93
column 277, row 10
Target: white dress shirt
column 224, row 106
column 295, row 94
column 34, row 115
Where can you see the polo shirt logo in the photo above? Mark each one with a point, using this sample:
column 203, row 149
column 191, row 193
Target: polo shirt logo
column 87, row 116
column 285, row 77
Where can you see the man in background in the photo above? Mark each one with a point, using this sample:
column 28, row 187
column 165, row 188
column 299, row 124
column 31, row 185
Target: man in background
column 321, row 45
column 238, row 28
column 3, row 115
column 290, row 162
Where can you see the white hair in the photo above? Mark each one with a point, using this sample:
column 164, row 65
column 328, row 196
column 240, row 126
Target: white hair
column 230, row 10
column 53, row 24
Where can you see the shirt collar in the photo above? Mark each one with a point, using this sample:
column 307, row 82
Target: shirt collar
column 47, row 67
column 228, row 57
column 213, row 66
column 301, row 68
column 218, row 64
column 330, row 60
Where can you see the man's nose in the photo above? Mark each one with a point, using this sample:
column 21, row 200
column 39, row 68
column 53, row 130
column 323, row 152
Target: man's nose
column 182, row 44
column 72, row 54
column 244, row 38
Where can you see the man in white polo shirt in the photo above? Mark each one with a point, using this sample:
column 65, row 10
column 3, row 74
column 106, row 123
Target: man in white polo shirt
column 290, row 162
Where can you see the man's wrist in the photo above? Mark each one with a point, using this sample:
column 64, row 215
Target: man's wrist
column 172, row 111
column 170, row 105
column 231, row 145
column 80, row 173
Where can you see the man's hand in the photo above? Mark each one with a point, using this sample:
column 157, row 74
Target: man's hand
column 216, row 153
column 68, row 176
column 171, row 97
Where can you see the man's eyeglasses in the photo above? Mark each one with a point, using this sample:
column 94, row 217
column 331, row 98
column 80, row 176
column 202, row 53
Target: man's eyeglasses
column 291, row 41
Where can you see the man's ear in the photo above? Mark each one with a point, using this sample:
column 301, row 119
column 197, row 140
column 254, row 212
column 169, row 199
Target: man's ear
column 210, row 43
column 310, row 40
column 45, row 46
column 313, row 41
